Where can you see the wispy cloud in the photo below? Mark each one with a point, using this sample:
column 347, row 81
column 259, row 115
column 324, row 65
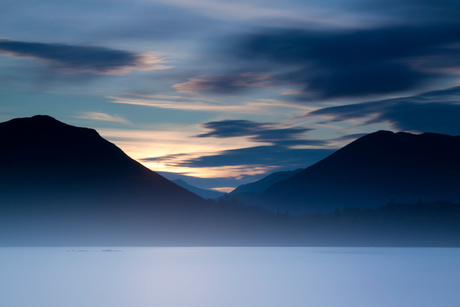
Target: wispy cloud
column 435, row 111
column 82, row 59
column 102, row 117
column 265, row 13
column 224, row 84
column 256, row 106
column 274, row 133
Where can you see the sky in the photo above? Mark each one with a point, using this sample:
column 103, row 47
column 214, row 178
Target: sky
column 223, row 93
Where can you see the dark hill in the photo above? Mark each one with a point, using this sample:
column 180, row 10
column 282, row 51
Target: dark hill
column 370, row 172
column 41, row 153
column 58, row 179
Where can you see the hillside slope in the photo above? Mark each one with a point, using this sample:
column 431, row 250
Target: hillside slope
column 370, row 172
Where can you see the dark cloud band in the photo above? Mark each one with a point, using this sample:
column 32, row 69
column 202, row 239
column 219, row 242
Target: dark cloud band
column 97, row 60
column 436, row 111
column 359, row 63
column 259, row 132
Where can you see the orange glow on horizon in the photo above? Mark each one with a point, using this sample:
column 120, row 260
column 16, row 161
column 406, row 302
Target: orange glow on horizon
column 174, row 147
column 223, row 189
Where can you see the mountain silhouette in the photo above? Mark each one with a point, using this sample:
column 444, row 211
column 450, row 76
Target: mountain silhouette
column 40, row 152
column 53, row 174
column 204, row 193
column 370, row 172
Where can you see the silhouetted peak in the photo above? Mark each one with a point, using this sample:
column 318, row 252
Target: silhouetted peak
column 44, row 118
column 44, row 143
column 377, row 136
column 383, row 142
column 43, row 149
column 44, row 129
column 385, row 134
column 35, row 121
column 382, row 133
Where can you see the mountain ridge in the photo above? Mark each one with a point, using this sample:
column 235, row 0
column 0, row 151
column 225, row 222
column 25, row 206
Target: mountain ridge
column 57, row 176
column 371, row 171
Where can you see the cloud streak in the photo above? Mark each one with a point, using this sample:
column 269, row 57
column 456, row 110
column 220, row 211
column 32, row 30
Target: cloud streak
column 273, row 133
column 224, row 84
column 436, row 111
column 256, row 106
column 97, row 116
column 82, row 59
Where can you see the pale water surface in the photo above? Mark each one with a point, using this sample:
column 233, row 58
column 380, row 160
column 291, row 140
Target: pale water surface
column 229, row 277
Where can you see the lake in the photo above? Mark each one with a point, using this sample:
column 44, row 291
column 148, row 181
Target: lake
column 229, row 277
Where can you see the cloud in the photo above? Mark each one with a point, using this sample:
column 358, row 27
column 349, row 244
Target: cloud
column 263, row 13
column 256, row 106
column 436, row 111
column 224, row 84
column 82, row 59
column 153, row 20
column 266, row 157
column 274, row 133
column 411, row 11
column 102, row 117
column 352, row 63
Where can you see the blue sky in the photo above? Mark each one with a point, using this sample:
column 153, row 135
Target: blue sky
column 230, row 91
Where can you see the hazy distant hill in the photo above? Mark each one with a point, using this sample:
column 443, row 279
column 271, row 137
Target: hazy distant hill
column 264, row 183
column 246, row 192
column 206, row 194
column 370, row 172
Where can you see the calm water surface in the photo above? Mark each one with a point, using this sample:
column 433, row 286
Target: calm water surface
column 233, row 277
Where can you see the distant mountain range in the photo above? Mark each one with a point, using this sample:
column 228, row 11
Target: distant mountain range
column 247, row 192
column 370, row 172
column 64, row 185
column 204, row 193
